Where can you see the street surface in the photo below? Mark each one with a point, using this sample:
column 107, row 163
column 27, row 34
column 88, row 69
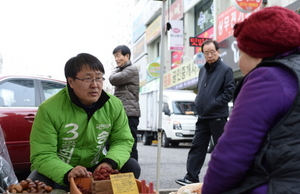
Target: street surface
column 172, row 165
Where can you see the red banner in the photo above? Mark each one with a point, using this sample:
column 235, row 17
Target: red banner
column 226, row 21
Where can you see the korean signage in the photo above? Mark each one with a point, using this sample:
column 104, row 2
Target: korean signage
column 153, row 31
column 175, row 12
column 175, row 35
column 247, row 6
column 229, row 51
column 196, row 41
column 153, row 69
column 139, row 48
column 208, row 34
column 176, row 59
column 181, row 77
column 226, row 21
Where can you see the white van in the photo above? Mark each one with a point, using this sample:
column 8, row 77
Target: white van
column 179, row 117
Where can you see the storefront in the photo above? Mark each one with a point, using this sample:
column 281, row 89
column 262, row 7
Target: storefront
column 224, row 32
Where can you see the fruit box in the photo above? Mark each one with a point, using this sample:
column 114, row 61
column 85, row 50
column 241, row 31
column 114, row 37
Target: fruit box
column 98, row 187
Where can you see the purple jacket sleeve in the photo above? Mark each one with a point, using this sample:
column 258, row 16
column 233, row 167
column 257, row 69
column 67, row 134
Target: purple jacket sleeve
column 267, row 94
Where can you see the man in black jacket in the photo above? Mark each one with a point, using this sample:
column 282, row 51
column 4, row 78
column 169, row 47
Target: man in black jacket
column 215, row 89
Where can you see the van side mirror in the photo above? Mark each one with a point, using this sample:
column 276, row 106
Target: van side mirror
column 167, row 111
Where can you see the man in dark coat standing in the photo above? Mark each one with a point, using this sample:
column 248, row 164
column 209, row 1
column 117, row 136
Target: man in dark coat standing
column 215, row 90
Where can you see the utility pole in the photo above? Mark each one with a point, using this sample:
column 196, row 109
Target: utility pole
column 162, row 62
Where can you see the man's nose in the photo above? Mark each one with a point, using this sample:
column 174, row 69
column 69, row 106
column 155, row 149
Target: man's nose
column 94, row 83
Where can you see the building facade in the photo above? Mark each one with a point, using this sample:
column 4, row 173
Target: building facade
column 192, row 22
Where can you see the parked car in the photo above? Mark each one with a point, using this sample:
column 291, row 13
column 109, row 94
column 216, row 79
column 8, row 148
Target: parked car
column 20, row 97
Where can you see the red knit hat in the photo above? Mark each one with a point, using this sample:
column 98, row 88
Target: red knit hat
column 268, row 32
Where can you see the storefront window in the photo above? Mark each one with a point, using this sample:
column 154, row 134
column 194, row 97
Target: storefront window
column 203, row 16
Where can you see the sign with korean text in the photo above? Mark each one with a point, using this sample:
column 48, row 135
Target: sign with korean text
column 209, row 34
column 139, row 48
column 153, row 69
column 176, row 59
column 226, row 21
column 246, row 6
column 196, row 41
column 175, row 12
column 153, row 30
column 124, row 183
column 175, row 35
column 182, row 76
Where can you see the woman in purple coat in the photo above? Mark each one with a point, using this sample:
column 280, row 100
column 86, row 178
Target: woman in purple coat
column 259, row 151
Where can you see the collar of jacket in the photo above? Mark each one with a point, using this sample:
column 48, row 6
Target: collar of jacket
column 212, row 67
column 128, row 63
column 97, row 105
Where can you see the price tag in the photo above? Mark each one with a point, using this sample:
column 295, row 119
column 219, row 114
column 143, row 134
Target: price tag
column 124, row 183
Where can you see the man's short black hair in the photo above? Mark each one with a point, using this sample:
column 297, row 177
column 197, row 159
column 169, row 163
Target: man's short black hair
column 124, row 50
column 75, row 64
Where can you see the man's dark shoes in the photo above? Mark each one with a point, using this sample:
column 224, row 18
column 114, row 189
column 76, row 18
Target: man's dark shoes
column 183, row 182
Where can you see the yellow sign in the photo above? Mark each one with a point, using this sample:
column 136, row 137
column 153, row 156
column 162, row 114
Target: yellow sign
column 124, row 183
column 153, row 30
column 183, row 73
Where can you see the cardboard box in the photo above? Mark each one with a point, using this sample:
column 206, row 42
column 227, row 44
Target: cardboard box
column 98, row 187
column 102, row 187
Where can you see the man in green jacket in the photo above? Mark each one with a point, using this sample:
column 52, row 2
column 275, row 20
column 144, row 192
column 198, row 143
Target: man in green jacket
column 71, row 128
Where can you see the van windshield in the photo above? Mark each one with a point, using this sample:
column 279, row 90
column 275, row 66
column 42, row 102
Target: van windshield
column 184, row 108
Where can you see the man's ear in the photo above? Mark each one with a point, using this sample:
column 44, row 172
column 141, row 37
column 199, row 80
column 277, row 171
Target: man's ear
column 71, row 82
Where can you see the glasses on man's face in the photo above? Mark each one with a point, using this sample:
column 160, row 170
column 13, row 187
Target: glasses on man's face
column 207, row 53
column 89, row 80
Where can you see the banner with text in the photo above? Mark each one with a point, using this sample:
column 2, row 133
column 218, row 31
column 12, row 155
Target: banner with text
column 183, row 76
column 175, row 36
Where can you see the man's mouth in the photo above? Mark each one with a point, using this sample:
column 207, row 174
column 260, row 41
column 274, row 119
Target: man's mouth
column 94, row 93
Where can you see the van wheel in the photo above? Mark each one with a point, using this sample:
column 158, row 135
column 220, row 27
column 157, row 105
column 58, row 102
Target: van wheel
column 164, row 140
column 146, row 139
